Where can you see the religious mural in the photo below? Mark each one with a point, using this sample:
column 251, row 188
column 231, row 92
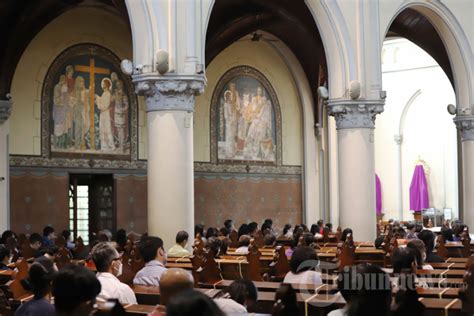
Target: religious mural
column 246, row 118
column 89, row 102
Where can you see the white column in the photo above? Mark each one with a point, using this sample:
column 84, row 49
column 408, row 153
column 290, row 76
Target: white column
column 465, row 124
column 5, row 108
column 399, row 141
column 170, row 106
column 355, row 122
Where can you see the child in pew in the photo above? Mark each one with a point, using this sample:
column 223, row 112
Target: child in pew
column 75, row 289
column 237, row 298
column 109, row 266
column 39, row 282
column 303, row 260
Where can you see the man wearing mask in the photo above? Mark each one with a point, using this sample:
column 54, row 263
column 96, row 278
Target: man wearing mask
column 154, row 255
column 109, row 266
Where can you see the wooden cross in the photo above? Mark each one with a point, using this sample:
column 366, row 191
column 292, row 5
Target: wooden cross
column 92, row 70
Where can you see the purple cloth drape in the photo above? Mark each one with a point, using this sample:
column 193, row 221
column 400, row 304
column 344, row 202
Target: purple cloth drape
column 419, row 198
column 378, row 195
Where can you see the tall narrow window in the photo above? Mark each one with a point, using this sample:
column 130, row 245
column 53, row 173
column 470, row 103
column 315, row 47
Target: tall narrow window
column 79, row 211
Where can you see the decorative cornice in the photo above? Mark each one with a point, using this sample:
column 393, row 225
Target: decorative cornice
column 170, row 92
column 38, row 161
column 355, row 114
column 245, row 169
column 5, row 110
column 141, row 165
column 465, row 124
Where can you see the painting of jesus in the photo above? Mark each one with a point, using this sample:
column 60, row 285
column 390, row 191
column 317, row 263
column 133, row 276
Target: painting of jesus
column 89, row 103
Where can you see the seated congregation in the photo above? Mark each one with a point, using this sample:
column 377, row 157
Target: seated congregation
column 407, row 270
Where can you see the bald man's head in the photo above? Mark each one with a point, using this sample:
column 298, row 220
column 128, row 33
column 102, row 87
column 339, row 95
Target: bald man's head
column 172, row 282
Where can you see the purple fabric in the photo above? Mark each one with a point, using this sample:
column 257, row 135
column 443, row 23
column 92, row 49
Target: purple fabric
column 378, row 195
column 419, row 199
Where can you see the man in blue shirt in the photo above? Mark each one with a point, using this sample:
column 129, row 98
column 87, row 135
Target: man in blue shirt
column 154, row 255
column 48, row 237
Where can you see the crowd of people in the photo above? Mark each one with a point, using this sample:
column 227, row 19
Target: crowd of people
column 79, row 290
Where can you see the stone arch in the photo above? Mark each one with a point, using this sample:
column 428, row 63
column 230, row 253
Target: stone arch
column 340, row 53
column 454, row 41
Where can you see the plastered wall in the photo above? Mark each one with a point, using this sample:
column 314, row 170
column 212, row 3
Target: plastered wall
column 264, row 58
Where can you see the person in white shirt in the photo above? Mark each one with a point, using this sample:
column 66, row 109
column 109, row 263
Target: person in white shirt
column 244, row 242
column 179, row 249
column 304, row 259
column 239, row 296
column 109, row 266
column 154, row 255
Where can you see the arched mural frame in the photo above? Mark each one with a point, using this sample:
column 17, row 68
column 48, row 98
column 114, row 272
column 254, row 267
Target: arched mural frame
column 225, row 79
column 78, row 160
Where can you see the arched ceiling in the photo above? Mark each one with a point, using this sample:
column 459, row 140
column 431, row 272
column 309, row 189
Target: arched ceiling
column 230, row 20
column 22, row 20
column 293, row 24
column 415, row 27
column 290, row 21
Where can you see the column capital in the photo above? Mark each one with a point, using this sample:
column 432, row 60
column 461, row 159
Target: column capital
column 5, row 110
column 398, row 139
column 170, row 92
column 355, row 113
column 465, row 124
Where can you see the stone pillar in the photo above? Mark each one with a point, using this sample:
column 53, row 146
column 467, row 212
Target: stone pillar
column 465, row 124
column 170, row 107
column 5, row 109
column 355, row 122
column 399, row 141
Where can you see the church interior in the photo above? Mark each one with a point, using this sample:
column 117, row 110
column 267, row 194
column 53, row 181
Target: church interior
column 237, row 157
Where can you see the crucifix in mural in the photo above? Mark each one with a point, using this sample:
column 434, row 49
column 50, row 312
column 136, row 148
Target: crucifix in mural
column 89, row 103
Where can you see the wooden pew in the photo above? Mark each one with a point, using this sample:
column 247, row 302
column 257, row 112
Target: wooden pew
column 280, row 266
column 63, row 257
column 448, row 265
